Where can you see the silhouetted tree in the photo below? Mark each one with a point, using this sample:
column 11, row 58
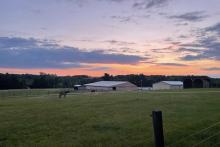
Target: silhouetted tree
column 107, row 77
column 16, row 81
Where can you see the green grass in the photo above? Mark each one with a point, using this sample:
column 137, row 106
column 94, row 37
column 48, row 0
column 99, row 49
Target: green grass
column 122, row 119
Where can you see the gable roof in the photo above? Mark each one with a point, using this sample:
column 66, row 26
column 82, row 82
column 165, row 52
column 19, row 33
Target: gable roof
column 178, row 83
column 106, row 83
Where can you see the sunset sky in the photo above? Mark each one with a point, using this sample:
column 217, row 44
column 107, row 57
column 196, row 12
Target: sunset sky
column 92, row 37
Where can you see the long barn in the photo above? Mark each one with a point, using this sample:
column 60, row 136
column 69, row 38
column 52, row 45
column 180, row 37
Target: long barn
column 111, row 85
column 168, row 85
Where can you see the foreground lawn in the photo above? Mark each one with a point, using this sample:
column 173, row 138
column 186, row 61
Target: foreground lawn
column 122, row 119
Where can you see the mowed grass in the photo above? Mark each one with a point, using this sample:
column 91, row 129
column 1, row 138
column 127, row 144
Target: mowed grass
column 120, row 119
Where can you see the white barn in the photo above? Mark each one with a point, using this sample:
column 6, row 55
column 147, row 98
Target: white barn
column 163, row 85
column 111, row 85
column 79, row 87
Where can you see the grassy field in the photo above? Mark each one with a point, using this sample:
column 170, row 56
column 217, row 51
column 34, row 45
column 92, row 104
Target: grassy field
column 121, row 119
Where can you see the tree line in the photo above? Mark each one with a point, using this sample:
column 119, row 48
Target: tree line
column 25, row 81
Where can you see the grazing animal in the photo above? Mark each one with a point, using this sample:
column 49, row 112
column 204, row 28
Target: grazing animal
column 93, row 91
column 63, row 93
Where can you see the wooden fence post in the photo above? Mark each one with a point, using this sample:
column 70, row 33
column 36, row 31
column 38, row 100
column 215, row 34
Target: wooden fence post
column 158, row 128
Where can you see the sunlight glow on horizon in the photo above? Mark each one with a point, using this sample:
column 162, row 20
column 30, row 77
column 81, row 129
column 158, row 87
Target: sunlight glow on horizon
column 179, row 37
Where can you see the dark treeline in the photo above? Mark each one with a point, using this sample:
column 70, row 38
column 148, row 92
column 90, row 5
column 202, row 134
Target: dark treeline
column 24, row 81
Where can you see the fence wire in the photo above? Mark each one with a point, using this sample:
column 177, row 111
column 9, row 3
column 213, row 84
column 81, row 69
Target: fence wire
column 206, row 139
column 196, row 133
column 216, row 145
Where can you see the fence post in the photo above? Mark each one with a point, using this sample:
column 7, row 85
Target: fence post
column 158, row 128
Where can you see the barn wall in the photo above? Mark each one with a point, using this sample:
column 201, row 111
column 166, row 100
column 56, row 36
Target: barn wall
column 160, row 86
column 98, row 88
column 126, row 86
column 164, row 86
column 121, row 87
column 176, row 87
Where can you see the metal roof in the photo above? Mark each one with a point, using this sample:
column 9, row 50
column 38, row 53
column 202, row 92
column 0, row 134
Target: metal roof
column 173, row 82
column 106, row 83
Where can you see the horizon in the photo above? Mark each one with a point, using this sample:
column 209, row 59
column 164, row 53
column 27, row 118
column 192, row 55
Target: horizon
column 107, row 73
column 118, row 37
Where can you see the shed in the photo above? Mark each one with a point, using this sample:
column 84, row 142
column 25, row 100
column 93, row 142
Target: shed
column 168, row 85
column 111, row 85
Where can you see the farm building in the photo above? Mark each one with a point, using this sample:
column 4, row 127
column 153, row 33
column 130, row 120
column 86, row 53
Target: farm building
column 79, row 87
column 111, row 85
column 145, row 88
column 168, row 85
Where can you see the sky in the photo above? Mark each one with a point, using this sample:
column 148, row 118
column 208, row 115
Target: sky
column 93, row 37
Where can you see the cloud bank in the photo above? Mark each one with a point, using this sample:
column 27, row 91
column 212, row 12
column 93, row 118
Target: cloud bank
column 190, row 16
column 34, row 53
column 206, row 46
column 147, row 4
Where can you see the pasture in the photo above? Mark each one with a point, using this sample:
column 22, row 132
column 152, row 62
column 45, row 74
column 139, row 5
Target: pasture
column 113, row 119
